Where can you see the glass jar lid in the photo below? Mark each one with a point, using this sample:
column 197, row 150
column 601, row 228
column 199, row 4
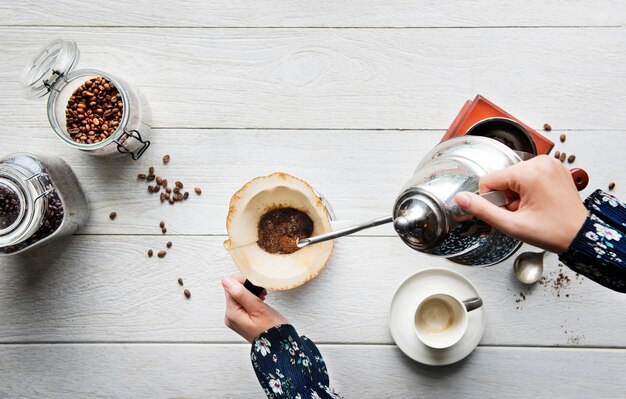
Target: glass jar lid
column 28, row 204
column 54, row 60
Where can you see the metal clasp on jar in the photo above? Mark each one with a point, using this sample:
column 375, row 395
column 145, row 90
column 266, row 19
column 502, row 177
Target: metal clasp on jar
column 134, row 134
column 44, row 181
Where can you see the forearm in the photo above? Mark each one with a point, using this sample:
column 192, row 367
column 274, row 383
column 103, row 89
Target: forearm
column 599, row 249
column 288, row 365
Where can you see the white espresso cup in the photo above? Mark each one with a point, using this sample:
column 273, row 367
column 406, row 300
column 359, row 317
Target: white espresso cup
column 441, row 319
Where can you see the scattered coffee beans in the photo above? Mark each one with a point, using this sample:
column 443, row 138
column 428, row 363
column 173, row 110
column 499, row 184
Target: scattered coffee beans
column 187, row 293
column 562, row 137
column 150, row 253
column 169, row 244
column 571, row 158
column 94, row 111
column 563, row 156
column 161, row 254
column 611, row 185
column 112, row 215
column 166, row 158
column 557, row 154
column 180, row 281
column 198, row 190
column 547, row 127
column 171, row 195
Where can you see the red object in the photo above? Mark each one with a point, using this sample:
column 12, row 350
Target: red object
column 481, row 108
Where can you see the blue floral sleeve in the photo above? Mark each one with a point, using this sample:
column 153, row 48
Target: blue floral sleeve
column 599, row 249
column 290, row 366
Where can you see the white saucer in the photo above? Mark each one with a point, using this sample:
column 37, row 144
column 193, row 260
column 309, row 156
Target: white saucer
column 402, row 312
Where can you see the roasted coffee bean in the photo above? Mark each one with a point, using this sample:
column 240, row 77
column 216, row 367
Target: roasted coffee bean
column 186, row 195
column 180, row 281
column 141, row 176
column 151, row 170
column 187, row 293
column 159, row 180
column 150, row 177
column 611, row 185
column 150, row 189
column 168, row 190
column 162, row 197
column 563, row 156
column 547, row 127
column 112, row 215
column 557, row 154
column 176, row 190
column 169, row 244
column 156, row 188
column 164, row 182
column 571, row 158
column 163, row 230
column 150, row 253
column 166, row 158
column 171, row 200
column 162, row 224
column 88, row 107
column 179, row 184
column 198, row 190
column 562, row 137
column 161, row 254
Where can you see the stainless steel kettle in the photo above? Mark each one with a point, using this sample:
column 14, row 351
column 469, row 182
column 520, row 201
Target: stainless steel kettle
column 428, row 219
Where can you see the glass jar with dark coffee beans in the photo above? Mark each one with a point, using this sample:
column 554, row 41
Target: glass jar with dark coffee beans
column 40, row 200
column 90, row 110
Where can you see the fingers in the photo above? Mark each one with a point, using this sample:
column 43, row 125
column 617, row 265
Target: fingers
column 235, row 289
column 501, row 180
column 484, row 210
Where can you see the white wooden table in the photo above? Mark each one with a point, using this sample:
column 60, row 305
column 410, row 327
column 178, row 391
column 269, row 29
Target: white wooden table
column 349, row 96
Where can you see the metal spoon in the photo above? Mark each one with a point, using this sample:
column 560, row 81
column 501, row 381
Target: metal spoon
column 528, row 267
column 343, row 232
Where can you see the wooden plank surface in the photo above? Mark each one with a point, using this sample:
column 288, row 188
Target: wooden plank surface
column 360, row 172
column 342, row 78
column 224, row 371
column 349, row 97
column 322, row 13
column 106, row 289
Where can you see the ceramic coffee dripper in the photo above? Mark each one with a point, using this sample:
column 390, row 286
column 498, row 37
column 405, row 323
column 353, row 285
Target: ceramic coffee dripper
column 249, row 204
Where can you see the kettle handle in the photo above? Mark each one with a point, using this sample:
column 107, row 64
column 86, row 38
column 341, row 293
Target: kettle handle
column 580, row 177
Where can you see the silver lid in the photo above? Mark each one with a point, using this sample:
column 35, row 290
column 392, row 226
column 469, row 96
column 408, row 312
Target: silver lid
column 419, row 220
column 54, row 60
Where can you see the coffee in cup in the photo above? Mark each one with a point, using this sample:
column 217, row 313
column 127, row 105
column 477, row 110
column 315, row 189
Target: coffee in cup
column 441, row 319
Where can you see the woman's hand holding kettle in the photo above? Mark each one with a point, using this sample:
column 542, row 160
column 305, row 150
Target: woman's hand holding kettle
column 545, row 209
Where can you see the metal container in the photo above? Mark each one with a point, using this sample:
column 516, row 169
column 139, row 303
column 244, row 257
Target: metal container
column 52, row 72
column 40, row 201
column 428, row 219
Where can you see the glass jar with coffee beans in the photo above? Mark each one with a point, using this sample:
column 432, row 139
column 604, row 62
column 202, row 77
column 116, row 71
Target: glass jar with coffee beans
column 40, row 200
column 90, row 110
